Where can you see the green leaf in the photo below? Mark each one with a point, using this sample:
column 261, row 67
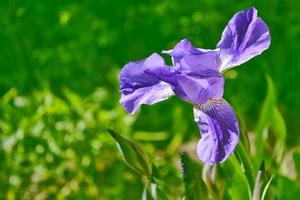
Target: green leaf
column 244, row 139
column 150, row 136
column 148, row 193
column 278, row 124
column 270, row 118
column 162, row 190
column 195, row 187
column 266, row 188
column 174, row 144
column 246, row 163
column 132, row 154
column 258, row 182
column 279, row 129
column 236, row 185
column 265, row 117
column 178, row 129
column 262, row 183
column 155, row 190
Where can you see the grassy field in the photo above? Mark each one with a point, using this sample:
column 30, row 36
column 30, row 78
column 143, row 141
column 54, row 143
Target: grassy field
column 59, row 87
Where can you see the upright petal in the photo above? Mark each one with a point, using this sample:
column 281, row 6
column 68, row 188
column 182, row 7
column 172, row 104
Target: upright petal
column 219, row 131
column 183, row 48
column 139, row 88
column 201, row 62
column 245, row 36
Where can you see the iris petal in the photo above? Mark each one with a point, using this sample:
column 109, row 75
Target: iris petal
column 245, row 36
column 183, row 48
column 200, row 88
column 201, row 62
column 195, row 87
column 219, row 131
column 146, row 95
column 139, row 88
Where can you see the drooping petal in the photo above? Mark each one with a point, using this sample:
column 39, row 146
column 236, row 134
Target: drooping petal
column 245, row 36
column 219, row 131
column 195, row 87
column 132, row 76
column 163, row 73
column 146, row 95
column 139, row 88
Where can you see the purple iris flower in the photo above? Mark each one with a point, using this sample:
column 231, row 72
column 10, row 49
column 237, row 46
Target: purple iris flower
column 197, row 77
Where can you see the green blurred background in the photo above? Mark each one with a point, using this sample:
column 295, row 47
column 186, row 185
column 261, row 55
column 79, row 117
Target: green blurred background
column 59, row 66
